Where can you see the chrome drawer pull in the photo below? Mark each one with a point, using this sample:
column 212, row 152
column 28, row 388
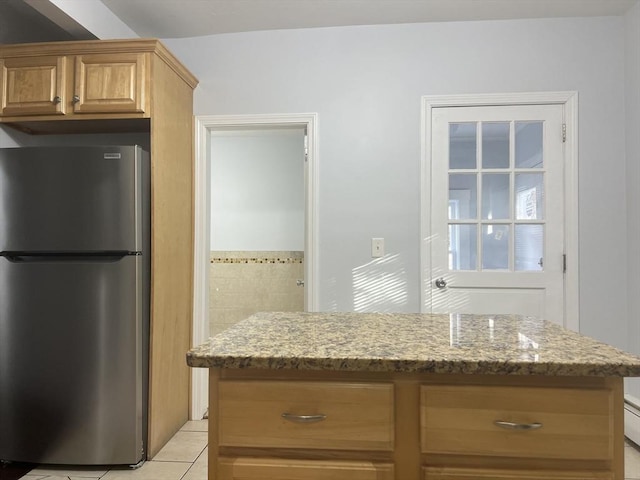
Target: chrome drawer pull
column 303, row 418
column 517, row 426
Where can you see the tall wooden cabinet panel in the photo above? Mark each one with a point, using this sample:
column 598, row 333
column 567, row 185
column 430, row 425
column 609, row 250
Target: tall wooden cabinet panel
column 172, row 236
column 127, row 86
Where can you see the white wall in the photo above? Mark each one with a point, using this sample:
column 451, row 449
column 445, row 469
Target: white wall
column 257, row 189
column 7, row 138
column 366, row 83
column 632, row 124
column 96, row 17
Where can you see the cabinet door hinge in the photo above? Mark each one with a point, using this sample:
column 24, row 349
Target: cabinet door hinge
column 564, row 132
column 564, row 263
column 306, row 147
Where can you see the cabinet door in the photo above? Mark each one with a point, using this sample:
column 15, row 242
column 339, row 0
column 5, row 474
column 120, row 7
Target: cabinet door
column 278, row 469
column 110, row 83
column 33, row 85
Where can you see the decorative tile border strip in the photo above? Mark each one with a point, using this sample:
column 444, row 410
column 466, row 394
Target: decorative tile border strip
column 258, row 257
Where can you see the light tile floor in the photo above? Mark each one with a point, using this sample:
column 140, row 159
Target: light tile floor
column 184, row 457
column 631, row 461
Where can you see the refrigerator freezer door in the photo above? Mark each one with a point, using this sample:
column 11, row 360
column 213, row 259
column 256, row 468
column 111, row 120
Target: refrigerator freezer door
column 71, row 198
column 71, row 361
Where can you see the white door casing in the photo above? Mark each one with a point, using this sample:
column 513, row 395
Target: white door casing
column 473, row 284
column 204, row 125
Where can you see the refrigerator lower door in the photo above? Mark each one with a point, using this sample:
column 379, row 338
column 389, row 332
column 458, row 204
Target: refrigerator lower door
column 71, row 361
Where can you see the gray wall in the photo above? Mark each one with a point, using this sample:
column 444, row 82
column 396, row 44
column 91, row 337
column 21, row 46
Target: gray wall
column 257, row 189
column 366, row 83
column 632, row 118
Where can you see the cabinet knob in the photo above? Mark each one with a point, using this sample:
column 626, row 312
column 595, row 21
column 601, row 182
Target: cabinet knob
column 56, row 100
column 76, row 99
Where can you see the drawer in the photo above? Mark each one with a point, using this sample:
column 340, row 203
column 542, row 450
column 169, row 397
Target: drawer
column 324, row 415
column 277, row 469
column 538, row 422
column 490, row 474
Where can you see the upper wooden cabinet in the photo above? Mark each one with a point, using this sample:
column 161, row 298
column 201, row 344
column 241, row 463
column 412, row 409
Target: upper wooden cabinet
column 33, row 85
column 95, row 80
column 110, row 83
column 63, row 85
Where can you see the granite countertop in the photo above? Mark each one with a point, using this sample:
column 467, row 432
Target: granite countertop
column 425, row 343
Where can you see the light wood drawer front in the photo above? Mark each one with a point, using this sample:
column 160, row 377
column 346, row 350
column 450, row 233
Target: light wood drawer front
column 358, row 416
column 488, row 474
column 277, row 469
column 575, row 423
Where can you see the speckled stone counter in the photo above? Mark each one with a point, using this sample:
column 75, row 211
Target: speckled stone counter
column 422, row 343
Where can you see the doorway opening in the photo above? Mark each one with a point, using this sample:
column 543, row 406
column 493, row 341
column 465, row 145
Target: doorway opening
column 262, row 213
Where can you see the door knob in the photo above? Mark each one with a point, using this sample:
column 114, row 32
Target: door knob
column 440, row 283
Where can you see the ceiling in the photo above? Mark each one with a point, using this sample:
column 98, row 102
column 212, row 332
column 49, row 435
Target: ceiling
column 191, row 18
column 23, row 21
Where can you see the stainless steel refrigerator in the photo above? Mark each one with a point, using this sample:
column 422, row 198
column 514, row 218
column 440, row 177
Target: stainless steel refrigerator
column 74, row 304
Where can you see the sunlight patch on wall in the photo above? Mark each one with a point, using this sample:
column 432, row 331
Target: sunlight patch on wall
column 380, row 285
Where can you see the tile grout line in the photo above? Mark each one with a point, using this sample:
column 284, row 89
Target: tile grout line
column 194, row 462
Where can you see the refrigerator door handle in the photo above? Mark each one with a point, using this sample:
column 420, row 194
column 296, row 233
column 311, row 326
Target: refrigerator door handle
column 24, row 257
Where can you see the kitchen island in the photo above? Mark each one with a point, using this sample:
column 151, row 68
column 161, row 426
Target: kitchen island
column 357, row 396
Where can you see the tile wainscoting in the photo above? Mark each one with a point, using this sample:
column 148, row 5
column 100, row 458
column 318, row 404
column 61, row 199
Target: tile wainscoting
column 243, row 283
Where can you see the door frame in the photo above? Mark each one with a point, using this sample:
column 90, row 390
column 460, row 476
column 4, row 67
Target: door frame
column 204, row 125
column 569, row 100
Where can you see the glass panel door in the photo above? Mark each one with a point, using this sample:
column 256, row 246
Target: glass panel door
column 496, row 169
column 496, row 211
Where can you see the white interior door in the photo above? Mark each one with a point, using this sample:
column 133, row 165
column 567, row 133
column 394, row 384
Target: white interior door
column 497, row 208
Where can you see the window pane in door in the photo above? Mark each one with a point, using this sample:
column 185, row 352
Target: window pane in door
column 529, row 192
column 463, row 194
column 495, row 196
column 463, row 246
column 528, row 144
column 495, row 145
column 529, row 241
column 495, row 247
column 462, row 145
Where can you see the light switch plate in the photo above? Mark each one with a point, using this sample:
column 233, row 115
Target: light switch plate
column 377, row 247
